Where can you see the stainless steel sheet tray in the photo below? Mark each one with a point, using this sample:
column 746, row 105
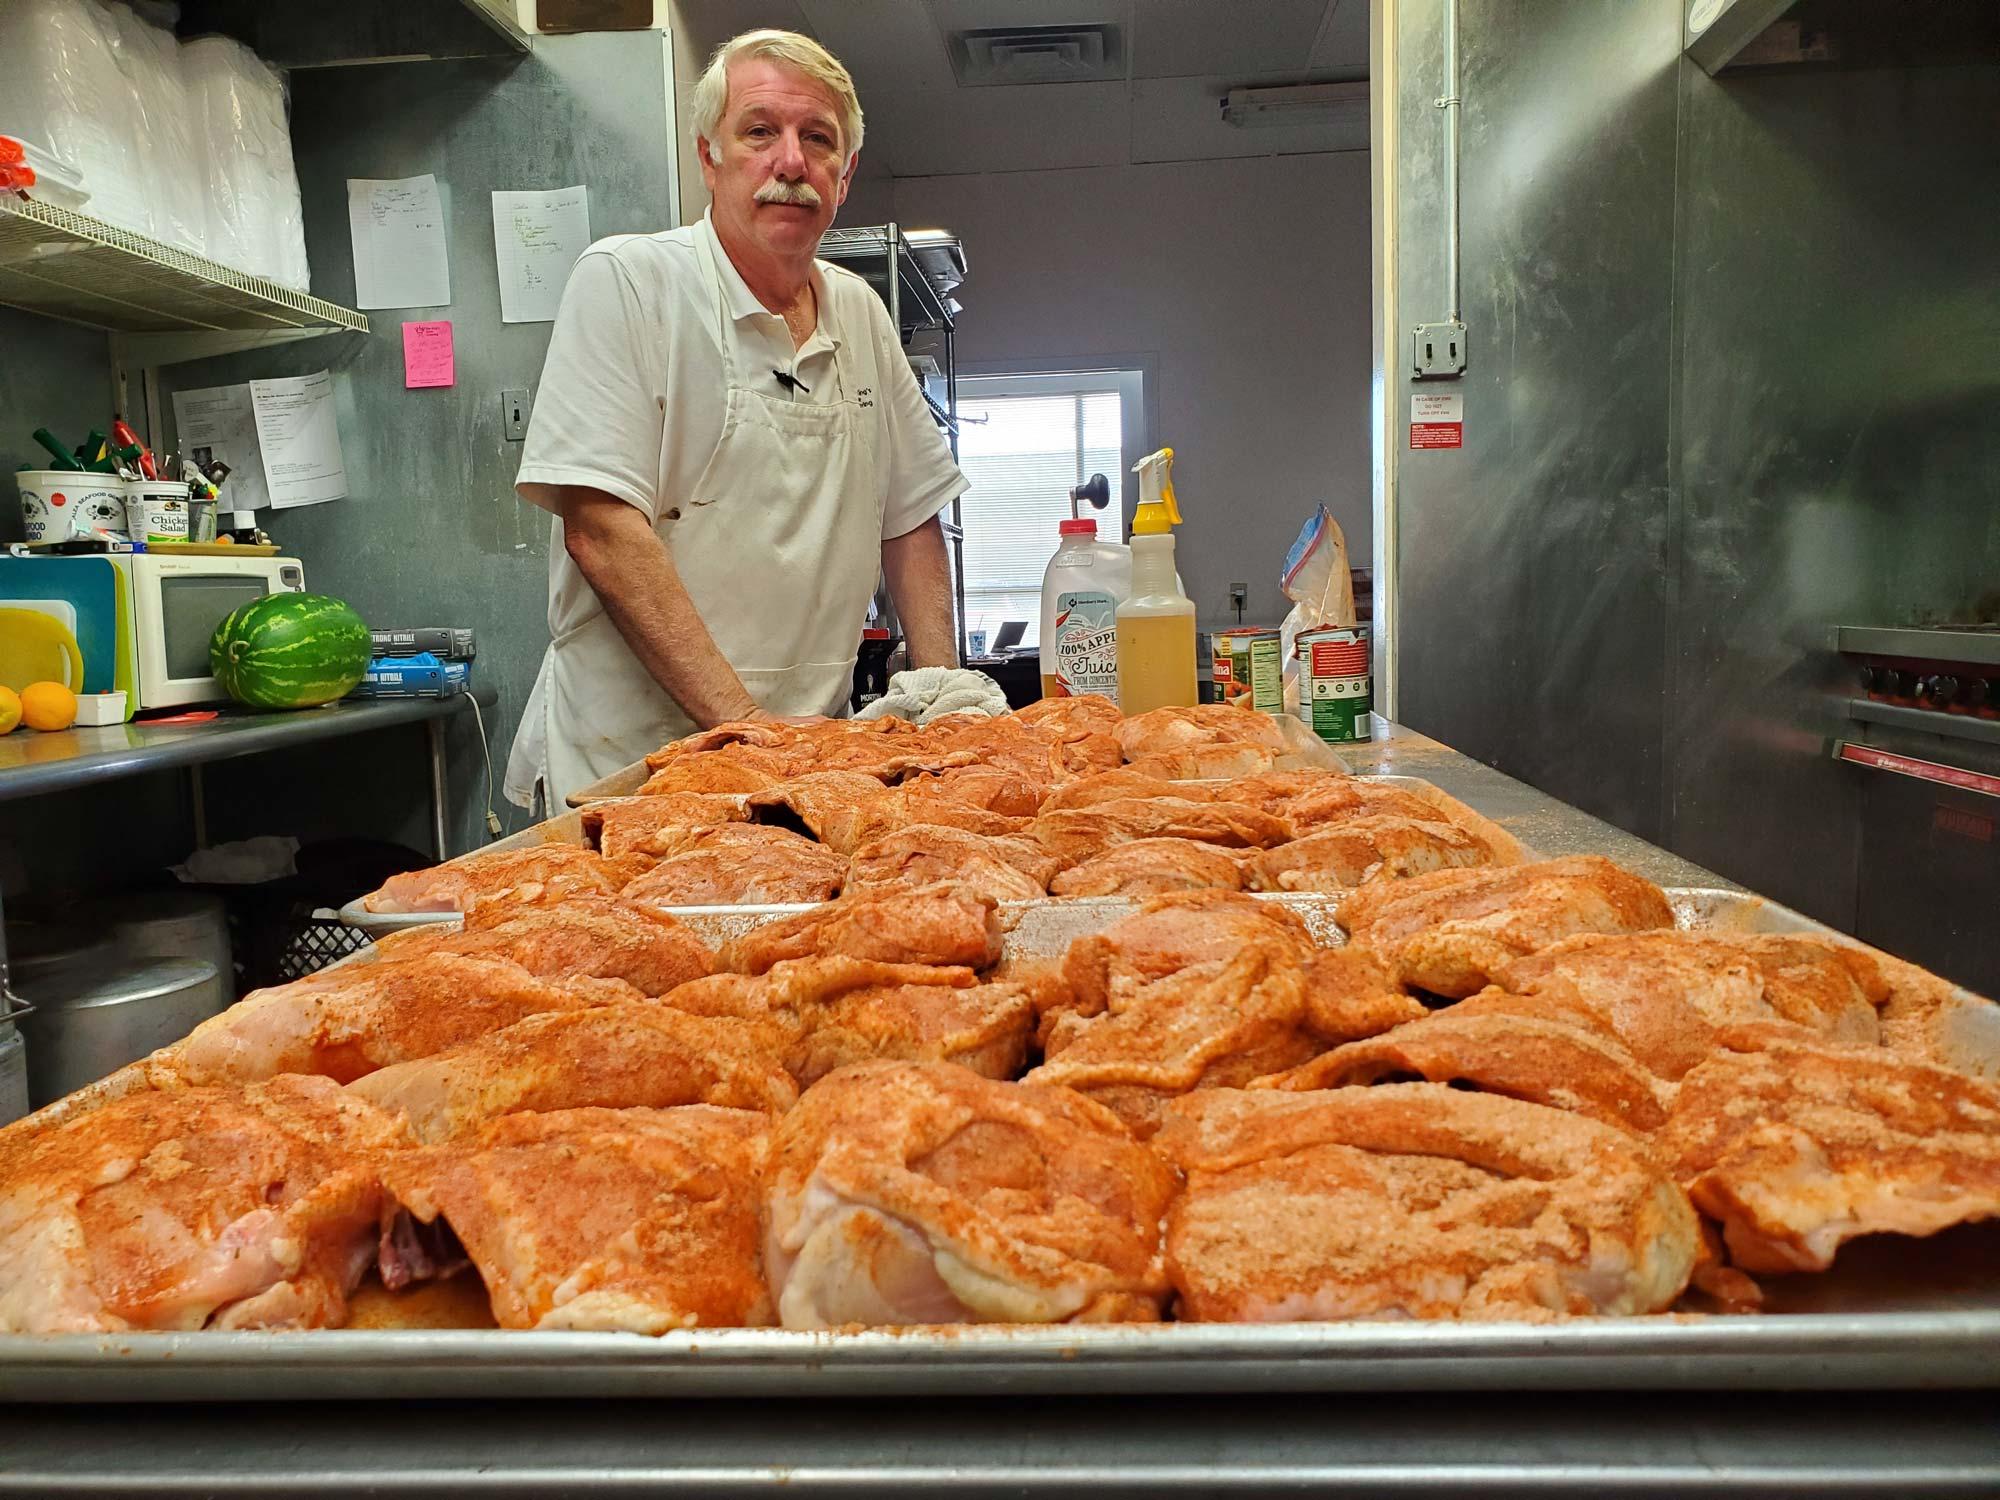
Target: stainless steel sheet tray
column 1892, row 1314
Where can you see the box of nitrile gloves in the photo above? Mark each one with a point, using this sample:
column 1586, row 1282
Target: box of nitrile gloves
column 419, row 676
column 445, row 642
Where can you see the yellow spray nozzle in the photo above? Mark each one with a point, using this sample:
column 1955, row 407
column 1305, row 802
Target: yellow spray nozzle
column 1158, row 511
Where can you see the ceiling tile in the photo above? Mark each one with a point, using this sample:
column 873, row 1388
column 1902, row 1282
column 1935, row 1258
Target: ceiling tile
column 934, row 133
column 1343, row 41
column 886, row 44
column 1184, row 38
column 1180, row 119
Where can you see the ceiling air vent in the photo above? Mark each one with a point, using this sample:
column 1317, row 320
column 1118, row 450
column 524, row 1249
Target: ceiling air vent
column 1038, row 54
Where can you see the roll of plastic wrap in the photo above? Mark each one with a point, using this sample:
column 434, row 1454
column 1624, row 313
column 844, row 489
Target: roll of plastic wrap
column 149, row 61
column 255, row 221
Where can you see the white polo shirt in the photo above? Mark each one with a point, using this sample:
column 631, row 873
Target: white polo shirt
column 631, row 400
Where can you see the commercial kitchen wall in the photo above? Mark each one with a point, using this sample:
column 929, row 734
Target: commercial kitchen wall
column 431, row 532
column 53, row 375
column 1244, row 286
column 1729, row 386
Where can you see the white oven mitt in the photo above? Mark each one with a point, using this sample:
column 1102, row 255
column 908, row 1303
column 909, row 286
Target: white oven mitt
column 929, row 693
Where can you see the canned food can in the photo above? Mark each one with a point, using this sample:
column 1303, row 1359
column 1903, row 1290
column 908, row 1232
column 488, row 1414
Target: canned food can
column 1223, row 672
column 1256, row 668
column 1336, row 687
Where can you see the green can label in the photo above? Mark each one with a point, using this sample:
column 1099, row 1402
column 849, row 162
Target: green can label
column 1336, row 687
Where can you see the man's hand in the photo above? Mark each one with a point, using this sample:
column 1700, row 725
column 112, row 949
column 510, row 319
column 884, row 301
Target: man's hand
column 623, row 559
column 918, row 570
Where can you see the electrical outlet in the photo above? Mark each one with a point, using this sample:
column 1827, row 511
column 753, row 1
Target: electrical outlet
column 1239, row 595
column 1437, row 351
column 514, row 415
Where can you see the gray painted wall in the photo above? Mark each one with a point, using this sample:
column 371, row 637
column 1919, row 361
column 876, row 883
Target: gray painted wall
column 1244, row 283
column 1721, row 399
column 53, row 375
column 431, row 531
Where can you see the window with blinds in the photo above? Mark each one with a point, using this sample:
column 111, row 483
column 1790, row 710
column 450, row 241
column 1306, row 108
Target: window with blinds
column 1023, row 454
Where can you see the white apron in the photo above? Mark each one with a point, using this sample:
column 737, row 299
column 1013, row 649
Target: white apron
column 779, row 545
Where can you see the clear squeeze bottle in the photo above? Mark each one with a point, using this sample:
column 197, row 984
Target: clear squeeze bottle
column 1085, row 583
column 1156, row 649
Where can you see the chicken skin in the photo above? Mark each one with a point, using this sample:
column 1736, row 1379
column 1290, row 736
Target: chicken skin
column 627, row 1220
column 613, row 1056
column 1167, row 731
column 1327, row 798
column 548, row 873
column 988, row 788
column 348, row 1022
column 821, row 805
column 917, row 1193
column 1415, row 1200
column 719, row 774
column 948, row 925
column 586, row 937
column 1123, row 785
column 1361, row 849
column 739, row 864
column 1072, row 717
column 654, row 826
column 196, row 1208
column 1005, row 868
column 1217, row 1025
column 819, row 1014
column 1449, row 932
column 1151, row 867
column 1797, row 1146
column 1074, row 835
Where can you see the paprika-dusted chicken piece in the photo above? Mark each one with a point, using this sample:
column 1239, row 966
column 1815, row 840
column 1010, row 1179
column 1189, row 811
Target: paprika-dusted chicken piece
column 1669, row 995
column 610, row 1056
column 586, row 937
column 1123, row 785
column 1173, row 932
column 823, row 1013
column 988, row 788
column 1072, row 718
column 1345, row 855
column 655, row 826
column 717, row 774
column 1797, row 1146
column 1217, row 762
column 1499, row 1044
column 1415, row 1200
column 193, row 1208
column 740, row 864
column 1450, row 931
column 732, row 737
column 1167, row 731
column 627, row 1220
column 1217, row 1025
column 820, row 805
column 347, row 1022
column 915, row 803
column 1276, row 791
column 1152, row 867
column 1077, row 834
column 1005, row 867
column 916, row 1193
column 1042, row 753
column 546, row 873
column 947, row 925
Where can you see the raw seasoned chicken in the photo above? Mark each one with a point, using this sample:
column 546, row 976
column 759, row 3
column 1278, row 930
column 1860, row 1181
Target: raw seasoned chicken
column 1004, row 867
column 948, row 925
column 1349, row 854
column 196, row 1208
column 711, row 775
column 586, row 937
column 1217, row 1025
column 1448, row 932
column 1072, row 717
column 614, row 1056
column 629, row 1220
column 1172, row 730
column 348, row 1022
column 1330, row 798
column 1042, row 753
column 755, row 734
column 1415, row 1201
column 821, row 805
column 1123, row 785
column 546, row 873
column 655, row 826
column 823, row 1013
column 1274, row 791
column 1503, row 1046
column 915, row 803
column 1219, row 762
column 988, row 788
column 740, row 864
column 1174, row 932
column 1151, row 867
column 1799, row 1146
column 1077, row 834
column 914, row 1193
column 1668, row 995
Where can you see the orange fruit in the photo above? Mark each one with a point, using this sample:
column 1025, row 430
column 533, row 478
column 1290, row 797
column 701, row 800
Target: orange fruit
column 225, row 540
column 10, row 710
column 48, row 705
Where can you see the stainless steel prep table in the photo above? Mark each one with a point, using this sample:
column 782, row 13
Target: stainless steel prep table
column 1548, row 1433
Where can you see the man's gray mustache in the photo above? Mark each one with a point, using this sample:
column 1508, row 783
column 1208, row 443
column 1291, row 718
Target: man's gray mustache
column 803, row 194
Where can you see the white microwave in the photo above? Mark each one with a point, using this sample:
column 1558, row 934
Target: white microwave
column 175, row 602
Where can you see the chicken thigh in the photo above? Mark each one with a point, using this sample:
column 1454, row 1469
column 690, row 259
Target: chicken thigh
column 948, row 925
column 1005, row 868
column 545, row 873
column 739, row 864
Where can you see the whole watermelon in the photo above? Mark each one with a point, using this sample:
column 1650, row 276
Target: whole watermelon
column 290, row 651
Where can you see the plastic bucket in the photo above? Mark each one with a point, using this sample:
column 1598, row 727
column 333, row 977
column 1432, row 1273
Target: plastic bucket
column 57, row 504
column 157, row 511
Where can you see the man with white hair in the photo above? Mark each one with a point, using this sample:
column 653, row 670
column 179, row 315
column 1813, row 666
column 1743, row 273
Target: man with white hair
column 733, row 445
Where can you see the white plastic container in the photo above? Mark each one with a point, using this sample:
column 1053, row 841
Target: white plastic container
column 1085, row 583
column 156, row 510
column 95, row 710
column 57, row 504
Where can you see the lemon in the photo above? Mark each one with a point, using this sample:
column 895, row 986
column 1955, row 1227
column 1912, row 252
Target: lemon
column 10, row 710
column 48, row 705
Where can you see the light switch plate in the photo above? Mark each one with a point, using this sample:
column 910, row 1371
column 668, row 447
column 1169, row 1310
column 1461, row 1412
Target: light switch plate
column 1437, row 351
column 514, row 415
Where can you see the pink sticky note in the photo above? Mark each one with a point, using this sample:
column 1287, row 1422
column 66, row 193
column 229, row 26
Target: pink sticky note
column 426, row 355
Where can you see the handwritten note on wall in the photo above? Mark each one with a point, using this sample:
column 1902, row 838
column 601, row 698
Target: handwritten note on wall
column 537, row 237
column 427, row 355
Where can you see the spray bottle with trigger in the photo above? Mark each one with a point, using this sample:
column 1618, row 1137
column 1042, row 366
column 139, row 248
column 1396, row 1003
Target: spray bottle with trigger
column 1156, row 644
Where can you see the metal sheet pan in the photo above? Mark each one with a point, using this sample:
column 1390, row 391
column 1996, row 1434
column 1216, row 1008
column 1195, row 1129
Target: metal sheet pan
column 1891, row 1314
